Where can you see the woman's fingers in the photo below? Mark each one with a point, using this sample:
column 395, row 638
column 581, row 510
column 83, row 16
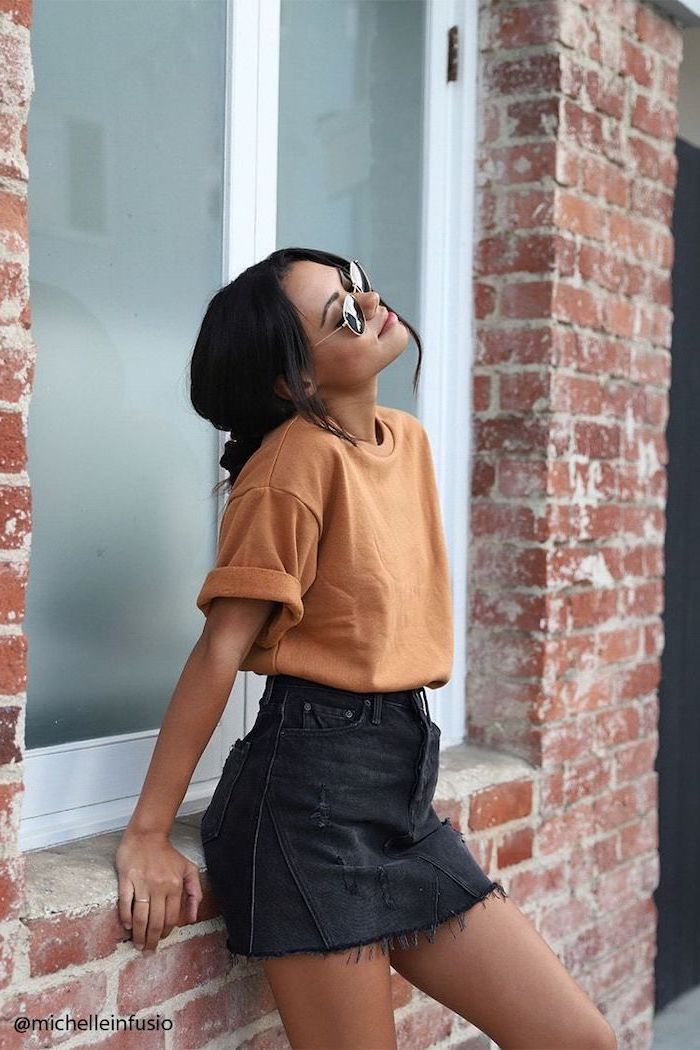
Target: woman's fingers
column 193, row 891
column 155, row 883
column 156, row 917
column 139, row 922
column 172, row 912
column 126, row 896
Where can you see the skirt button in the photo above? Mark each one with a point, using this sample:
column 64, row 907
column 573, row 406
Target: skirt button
column 307, row 705
column 349, row 713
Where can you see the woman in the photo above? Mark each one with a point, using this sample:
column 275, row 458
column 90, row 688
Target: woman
column 331, row 578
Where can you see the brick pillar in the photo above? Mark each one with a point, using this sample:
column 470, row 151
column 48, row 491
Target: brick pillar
column 16, row 376
column 576, row 179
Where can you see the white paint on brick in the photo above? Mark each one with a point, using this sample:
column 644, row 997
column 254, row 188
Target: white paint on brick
column 584, row 483
column 594, row 568
column 647, row 460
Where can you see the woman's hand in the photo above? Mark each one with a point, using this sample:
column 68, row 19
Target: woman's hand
column 154, row 877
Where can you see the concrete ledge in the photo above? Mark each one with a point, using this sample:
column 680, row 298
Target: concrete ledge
column 76, row 877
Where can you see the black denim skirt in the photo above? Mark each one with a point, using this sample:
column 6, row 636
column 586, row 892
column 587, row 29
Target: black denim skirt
column 321, row 835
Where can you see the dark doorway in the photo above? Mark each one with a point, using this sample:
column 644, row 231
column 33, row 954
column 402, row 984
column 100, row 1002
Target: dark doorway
column 678, row 761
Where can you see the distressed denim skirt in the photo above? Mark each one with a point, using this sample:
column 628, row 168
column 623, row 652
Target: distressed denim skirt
column 321, row 835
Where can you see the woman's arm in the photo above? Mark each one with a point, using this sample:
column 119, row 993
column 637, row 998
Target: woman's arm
column 147, row 864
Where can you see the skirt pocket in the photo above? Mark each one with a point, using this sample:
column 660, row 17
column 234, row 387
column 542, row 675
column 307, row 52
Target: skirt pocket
column 213, row 816
column 315, row 714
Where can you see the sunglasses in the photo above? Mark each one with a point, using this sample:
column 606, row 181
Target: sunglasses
column 353, row 317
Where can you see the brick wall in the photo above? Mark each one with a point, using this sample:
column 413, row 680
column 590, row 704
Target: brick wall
column 16, row 375
column 576, row 180
column 576, row 176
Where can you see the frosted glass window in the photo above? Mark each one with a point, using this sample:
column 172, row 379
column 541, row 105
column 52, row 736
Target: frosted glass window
column 350, row 155
column 126, row 152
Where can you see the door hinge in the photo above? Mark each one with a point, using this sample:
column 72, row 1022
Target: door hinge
column 452, row 53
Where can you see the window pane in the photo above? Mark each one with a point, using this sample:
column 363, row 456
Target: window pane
column 351, row 147
column 125, row 145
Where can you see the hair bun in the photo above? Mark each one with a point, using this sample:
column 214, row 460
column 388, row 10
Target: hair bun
column 238, row 449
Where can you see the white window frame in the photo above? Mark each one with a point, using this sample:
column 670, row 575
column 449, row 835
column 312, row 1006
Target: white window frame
column 447, row 317
column 88, row 776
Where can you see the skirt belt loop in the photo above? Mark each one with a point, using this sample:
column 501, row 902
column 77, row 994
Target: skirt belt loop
column 268, row 690
column 377, row 709
column 425, row 703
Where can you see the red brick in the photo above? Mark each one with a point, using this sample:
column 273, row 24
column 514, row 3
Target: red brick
column 538, row 117
column 520, row 25
column 524, row 391
column 16, row 84
column 512, row 253
column 652, row 116
column 669, row 81
column 13, row 163
column 222, row 1011
column 589, row 776
column 500, row 804
column 481, row 393
column 528, row 74
column 618, row 726
column 13, row 222
column 522, row 611
column 13, row 651
column 515, row 847
column 483, row 477
column 518, row 478
column 484, row 300
column 631, row 762
column 20, row 11
column 638, row 63
column 12, row 877
column 78, row 998
column 172, row 969
column 526, row 162
column 575, row 305
column 428, row 1024
column 523, row 346
column 14, row 291
column 62, row 940
column 566, row 830
column 527, row 299
column 581, row 127
column 659, row 34
column 13, row 452
column 548, row 879
column 528, row 208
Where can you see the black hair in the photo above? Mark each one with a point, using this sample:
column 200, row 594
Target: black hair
column 251, row 333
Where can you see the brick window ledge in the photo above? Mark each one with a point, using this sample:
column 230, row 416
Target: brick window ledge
column 69, row 906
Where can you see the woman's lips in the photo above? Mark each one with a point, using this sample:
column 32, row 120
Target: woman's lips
column 391, row 319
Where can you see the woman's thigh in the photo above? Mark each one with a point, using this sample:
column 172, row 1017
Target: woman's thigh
column 502, row 976
column 334, row 1001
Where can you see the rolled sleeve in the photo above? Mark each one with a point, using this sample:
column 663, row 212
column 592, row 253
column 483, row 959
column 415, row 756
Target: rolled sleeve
column 267, row 549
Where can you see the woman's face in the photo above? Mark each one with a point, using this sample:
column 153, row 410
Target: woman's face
column 344, row 361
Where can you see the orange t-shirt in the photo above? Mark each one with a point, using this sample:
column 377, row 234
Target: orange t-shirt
column 349, row 541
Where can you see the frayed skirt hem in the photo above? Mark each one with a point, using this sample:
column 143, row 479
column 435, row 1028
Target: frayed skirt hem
column 388, row 942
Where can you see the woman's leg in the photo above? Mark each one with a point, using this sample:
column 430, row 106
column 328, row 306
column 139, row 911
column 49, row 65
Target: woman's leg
column 332, row 1002
column 501, row 975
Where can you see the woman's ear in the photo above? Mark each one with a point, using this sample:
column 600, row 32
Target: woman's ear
column 282, row 390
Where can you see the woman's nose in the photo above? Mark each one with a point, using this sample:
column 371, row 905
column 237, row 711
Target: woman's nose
column 371, row 301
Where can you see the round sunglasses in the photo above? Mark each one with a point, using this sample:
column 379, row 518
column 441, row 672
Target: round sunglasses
column 353, row 316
